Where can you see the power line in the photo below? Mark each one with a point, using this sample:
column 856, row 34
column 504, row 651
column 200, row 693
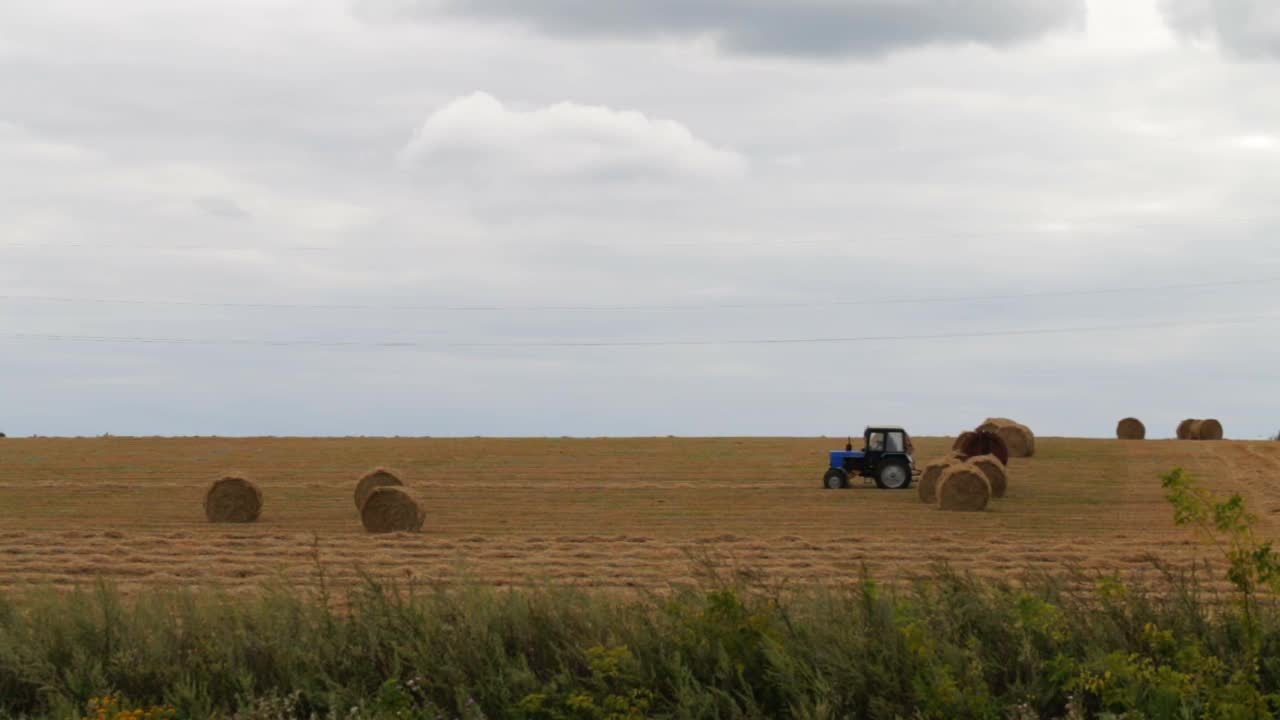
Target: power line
column 761, row 305
column 515, row 345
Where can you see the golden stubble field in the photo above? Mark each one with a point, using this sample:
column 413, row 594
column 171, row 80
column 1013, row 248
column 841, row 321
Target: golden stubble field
column 612, row 513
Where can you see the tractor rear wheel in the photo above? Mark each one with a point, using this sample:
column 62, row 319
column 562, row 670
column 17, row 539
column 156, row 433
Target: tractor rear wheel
column 893, row 476
column 835, row 479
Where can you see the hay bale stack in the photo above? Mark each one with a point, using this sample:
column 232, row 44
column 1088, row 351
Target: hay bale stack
column 1209, row 430
column 1184, row 429
column 963, row 488
column 1017, row 437
column 1131, row 429
column 995, row 473
column 374, row 479
column 927, row 486
column 233, row 500
column 985, row 443
column 390, row 509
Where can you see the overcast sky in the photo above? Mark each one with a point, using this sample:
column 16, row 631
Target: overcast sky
column 574, row 217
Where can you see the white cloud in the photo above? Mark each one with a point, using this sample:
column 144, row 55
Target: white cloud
column 479, row 137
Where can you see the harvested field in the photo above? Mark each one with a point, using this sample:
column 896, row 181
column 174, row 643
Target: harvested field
column 615, row 513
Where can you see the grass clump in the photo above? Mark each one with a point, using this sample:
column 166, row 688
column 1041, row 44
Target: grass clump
column 736, row 646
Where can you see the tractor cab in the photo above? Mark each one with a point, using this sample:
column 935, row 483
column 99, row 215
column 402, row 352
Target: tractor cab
column 885, row 457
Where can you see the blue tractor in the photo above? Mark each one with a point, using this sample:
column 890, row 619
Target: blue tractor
column 885, row 457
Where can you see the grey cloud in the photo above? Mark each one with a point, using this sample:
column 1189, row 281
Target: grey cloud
column 860, row 28
column 1245, row 28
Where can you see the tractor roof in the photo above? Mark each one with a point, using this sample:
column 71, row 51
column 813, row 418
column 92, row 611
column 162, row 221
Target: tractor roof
column 887, row 428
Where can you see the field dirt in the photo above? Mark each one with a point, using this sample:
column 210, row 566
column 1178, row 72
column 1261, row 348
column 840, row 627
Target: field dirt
column 613, row 513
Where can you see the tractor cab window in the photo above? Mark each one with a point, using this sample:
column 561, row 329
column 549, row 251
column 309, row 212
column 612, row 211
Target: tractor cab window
column 875, row 442
column 894, row 443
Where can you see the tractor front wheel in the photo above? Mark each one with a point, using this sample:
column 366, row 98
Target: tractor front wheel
column 893, row 476
column 835, row 479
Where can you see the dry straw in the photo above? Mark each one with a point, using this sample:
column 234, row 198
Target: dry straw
column 1131, row 429
column 927, row 487
column 995, row 473
column 374, row 479
column 391, row 509
column 233, row 500
column 963, row 488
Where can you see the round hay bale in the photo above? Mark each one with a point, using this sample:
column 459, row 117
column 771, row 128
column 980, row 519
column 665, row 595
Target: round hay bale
column 986, row 443
column 233, row 500
column 1193, row 430
column 1184, row 429
column 1030, row 439
column 391, row 509
column 962, row 439
column 994, row 471
column 1131, row 429
column 963, row 488
column 993, row 424
column 1017, row 437
column 1210, row 430
column 374, row 479
column 927, row 485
